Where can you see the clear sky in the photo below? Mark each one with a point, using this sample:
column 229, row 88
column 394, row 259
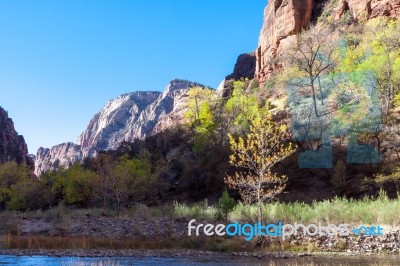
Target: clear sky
column 61, row 60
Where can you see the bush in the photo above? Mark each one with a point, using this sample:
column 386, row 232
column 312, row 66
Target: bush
column 78, row 185
column 26, row 195
column 225, row 206
column 10, row 174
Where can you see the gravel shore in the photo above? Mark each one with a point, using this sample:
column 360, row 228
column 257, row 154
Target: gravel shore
column 167, row 228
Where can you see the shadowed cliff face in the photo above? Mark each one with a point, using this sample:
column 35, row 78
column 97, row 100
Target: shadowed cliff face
column 12, row 145
column 283, row 19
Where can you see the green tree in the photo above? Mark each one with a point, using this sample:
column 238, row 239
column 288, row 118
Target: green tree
column 377, row 49
column 131, row 179
column 225, row 206
column 26, row 195
column 200, row 117
column 78, row 185
column 242, row 107
column 52, row 189
column 197, row 96
column 10, row 174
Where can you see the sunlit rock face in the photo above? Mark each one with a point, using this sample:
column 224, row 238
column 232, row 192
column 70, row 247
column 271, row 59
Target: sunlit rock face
column 109, row 126
column 284, row 19
column 59, row 156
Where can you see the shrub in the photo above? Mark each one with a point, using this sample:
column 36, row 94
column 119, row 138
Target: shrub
column 225, row 206
column 10, row 174
column 78, row 188
column 26, row 195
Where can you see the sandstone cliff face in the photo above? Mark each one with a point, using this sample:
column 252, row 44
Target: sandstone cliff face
column 12, row 145
column 366, row 9
column 126, row 118
column 283, row 19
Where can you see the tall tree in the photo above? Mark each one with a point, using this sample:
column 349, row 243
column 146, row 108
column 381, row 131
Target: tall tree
column 378, row 50
column 312, row 56
column 262, row 148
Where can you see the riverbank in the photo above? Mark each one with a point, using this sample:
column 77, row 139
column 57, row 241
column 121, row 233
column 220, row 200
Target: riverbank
column 87, row 232
column 166, row 228
column 162, row 253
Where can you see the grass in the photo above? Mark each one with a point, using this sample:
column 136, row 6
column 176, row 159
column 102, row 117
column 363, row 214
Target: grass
column 368, row 211
column 338, row 210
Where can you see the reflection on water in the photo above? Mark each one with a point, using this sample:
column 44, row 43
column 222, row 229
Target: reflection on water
column 215, row 260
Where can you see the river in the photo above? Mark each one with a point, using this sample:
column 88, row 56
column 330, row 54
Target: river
column 181, row 261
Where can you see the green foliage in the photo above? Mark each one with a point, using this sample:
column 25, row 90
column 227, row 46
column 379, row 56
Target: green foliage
column 26, row 195
column 377, row 49
column 200, row 117
column 393, row 179
column 78, row 185
column 10, row 174
column 204, row 128
column 225, row 206
column 341, row 210
column 133, row 178
column 397, row 100
column 197, row 96
column 243, row 106
column 199, row 210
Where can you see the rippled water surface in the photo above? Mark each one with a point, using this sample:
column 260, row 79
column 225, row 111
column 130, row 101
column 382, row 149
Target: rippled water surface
column 335, row 260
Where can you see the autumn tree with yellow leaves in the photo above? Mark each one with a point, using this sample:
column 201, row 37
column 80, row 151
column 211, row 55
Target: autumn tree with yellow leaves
column 264, row 146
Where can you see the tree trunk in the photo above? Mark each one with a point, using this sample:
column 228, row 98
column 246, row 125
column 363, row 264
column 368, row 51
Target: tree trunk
column 320, row 91
column 259, row 203
column 314, row 97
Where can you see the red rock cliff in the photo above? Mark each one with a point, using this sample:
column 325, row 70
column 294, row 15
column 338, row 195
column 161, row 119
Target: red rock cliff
column 12, row 145
column 283, row 19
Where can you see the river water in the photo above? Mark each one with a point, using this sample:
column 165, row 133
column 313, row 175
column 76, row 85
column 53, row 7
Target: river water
column 181, row 261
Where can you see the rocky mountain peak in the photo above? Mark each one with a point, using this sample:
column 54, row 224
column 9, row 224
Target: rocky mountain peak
column 128, row 117
column 180, row 84
column 103, row 129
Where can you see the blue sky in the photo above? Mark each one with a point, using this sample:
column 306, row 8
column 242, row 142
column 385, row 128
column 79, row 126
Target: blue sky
column 61, row 60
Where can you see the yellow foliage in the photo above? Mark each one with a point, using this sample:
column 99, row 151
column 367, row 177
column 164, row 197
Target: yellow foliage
column 262, row 148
